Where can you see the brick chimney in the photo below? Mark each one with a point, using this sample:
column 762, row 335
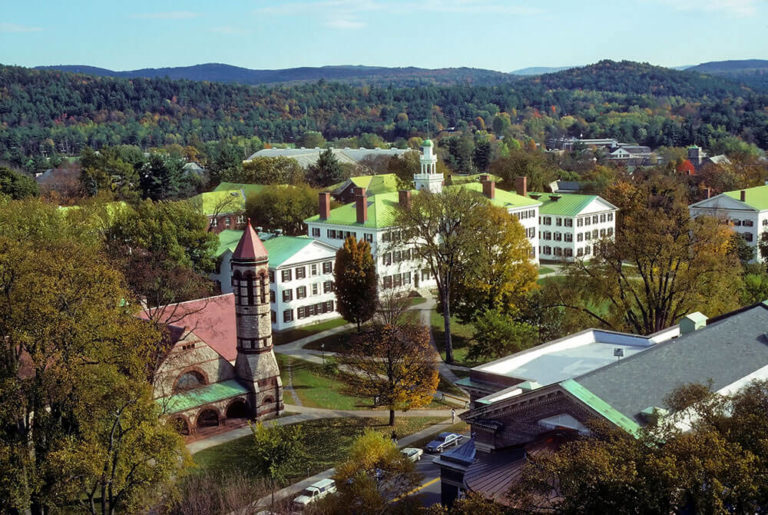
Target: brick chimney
column 404, row 198
column 362, row 205
column 324, row 205
column 489, row 187
column 521, row 186
column 743, row 196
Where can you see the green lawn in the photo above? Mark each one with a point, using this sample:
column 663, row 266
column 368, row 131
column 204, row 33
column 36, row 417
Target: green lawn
column 460, row 336
column 448, row 387
column 291, row 335
column 334, row 343
column 545, row 270
column 316, row 388
column 326, row 443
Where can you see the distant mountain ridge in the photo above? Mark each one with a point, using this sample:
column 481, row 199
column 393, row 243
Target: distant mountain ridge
column 217, row 72
column 752, row 72
column 539, row 70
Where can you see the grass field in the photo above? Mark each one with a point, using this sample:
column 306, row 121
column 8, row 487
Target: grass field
column 291, row 335
column 333, row 343
column 460, row 336
column 545, row 270
column 326, row 443
column 316, row 388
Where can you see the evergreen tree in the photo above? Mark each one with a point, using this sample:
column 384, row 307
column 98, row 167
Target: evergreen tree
column 161, row 177
column 326, row 171
column 356, row 282
column 16, row 185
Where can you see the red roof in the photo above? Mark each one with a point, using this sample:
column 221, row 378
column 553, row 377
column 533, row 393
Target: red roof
column 211, row 319
column 250, row 247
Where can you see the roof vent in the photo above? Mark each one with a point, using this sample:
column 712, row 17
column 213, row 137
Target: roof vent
column 234, row 193
column 555, row 198
column 535, row 196
column 692, row 322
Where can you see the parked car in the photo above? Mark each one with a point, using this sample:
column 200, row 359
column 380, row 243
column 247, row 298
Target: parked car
column 314, row 492
column 442, row 442
column 412, row 453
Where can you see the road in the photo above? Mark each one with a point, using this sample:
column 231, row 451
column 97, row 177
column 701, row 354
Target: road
column 430, row 485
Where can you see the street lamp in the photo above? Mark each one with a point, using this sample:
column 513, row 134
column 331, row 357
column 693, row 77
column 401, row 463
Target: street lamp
column 322, row 348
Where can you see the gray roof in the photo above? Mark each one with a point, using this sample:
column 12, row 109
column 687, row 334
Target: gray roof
column 728, row 349
column 309, row 156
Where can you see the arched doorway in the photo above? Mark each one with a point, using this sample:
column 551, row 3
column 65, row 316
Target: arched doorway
column 207, row 418
column 181, row 426
column 238, row 409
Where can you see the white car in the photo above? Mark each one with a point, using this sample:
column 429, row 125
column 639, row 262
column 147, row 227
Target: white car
column 314, row 492
column 412, row 453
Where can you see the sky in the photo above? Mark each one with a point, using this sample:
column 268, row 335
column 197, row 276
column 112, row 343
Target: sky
column 503, row 35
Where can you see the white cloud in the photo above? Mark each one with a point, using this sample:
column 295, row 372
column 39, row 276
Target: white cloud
column 738, row 8
column 169, row 15
column 12, row 27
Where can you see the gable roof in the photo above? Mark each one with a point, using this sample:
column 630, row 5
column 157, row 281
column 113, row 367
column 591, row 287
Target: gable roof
column 282, row 248
column 567, row 204
column 502, row 198
column 219, row 202
column 727, row 350
column 246, row 189
column 381, row 210
column 228, row 240
column 211, row 319
column 756, row 198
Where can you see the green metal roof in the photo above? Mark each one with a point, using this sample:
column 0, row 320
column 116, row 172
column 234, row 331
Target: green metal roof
column 568, row 204
column 600, row 406
column 282, row 248
column 200, row 396
column 381, row 210
column 220, row 202
column 503, row 198
column 228, row 240
column 427, row 143
column 375, row 184
column 756, row 198
column 246, row 188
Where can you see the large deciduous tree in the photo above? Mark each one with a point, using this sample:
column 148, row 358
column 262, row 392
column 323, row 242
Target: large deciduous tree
column 282, row 207
column 444, row 229
column 16, row 184
column 393, row 361
column 661, row 266
column 355, row 281
column 275, row 451
column 270, row 170
column 78, row 424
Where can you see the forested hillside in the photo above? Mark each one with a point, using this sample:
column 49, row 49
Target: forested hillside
column 50, row 112
column 752, row 72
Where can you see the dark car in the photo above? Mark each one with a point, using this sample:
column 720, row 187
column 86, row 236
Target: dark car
column 442, row 442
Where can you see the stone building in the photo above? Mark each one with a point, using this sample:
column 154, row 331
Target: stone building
column 218, row 363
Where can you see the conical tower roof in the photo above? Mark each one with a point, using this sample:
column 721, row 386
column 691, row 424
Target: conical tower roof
column 250, row 247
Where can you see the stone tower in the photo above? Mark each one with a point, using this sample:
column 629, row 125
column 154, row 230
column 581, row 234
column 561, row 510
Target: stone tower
column 256, row 366
column 428, row 179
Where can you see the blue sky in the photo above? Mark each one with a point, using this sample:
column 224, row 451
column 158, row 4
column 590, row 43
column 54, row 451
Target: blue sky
column 500, row 35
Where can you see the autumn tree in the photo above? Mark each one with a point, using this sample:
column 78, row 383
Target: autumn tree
column 393, row 361
column 532, row 164
column 270, row 170
column 78, row 424
column 275, row 451
column 355, row 281
column 661, row 266
column 496, row 272
column 444, row 229
column 374, row 474
column 282, row 207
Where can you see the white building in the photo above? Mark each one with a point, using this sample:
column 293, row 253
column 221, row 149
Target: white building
column 300, row 278
column 570, row 225
column 745, row 210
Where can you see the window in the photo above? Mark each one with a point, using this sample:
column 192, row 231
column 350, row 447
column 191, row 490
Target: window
column 300, row 313
column 588, row 250
column 547, row 220
column 558, row 236
column 301, row 292
column 330, row 233
column 287, row 295
column 602, row 232
column 580, row 237
column 397, row 280
column 407, row 278
column 587, row 221
column 369, row 237
column 387, row 258
column 327, row 286
column 425, row 275
column 559, row 221
column 610, row 217
column 386, row 237
column 594, row 234
column 747, row 236
column 286, row 276
column 587, row 235
column 214, row 222
column 387, row 282
column 579, row 252
column 547, row 250
column 315, row 232
column 568, row 222
column 602, row 218
column 240, row 219
column 558, row 251
column 272, row 276
column 568, row 252
column 273, row 316
column 610, row 231
column 313, row 270
column 530, row 232
column 748, row 223
column 272, row 296
column 396, row 256
column 327, row 267
column 301, row 272
column 288, row 315
column 227, row 221
column 579, row 222
column 315, row 288
column 568, row 236
column 594, row 219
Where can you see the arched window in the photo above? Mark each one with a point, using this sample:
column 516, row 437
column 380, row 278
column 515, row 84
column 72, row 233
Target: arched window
column 189, row 381
column 249, row 281
column 263, row 287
